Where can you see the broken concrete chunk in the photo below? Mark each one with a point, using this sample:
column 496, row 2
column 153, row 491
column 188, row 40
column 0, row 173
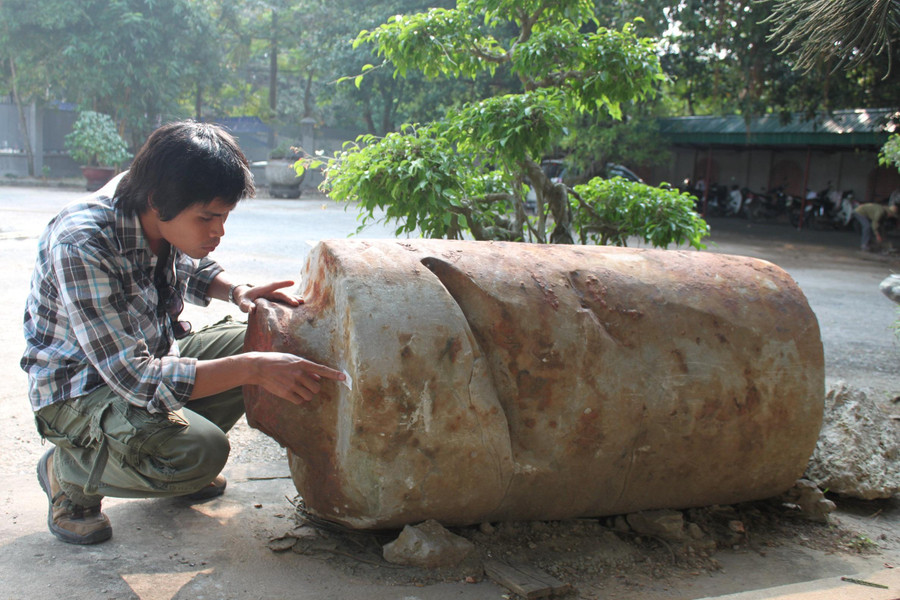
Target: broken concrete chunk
column 665, row 524
column 428, row 545
column 620, row 524
column 810, row 500
column 695, row 532
column 486, row 528
column 858, row 451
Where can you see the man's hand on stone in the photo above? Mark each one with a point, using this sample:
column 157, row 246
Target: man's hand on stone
column 245, row 296
column 290, row 377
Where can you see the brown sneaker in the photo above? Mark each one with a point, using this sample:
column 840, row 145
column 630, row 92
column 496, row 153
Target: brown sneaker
column 68, row 521
column 214, row 488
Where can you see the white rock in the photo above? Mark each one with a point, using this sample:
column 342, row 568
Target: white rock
column 890, row 287
column 858, row 448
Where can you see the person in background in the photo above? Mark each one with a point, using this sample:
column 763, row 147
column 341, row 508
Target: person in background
column 135, row 404
column 871, row 218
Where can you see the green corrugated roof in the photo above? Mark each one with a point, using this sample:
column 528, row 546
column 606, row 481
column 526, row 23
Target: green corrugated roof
column 861, row 127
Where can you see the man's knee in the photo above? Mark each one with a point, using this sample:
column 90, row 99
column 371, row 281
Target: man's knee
column 198, row 451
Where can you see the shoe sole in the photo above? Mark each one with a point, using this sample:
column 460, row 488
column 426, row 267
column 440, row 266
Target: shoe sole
column 98, row 536
column 206, row 493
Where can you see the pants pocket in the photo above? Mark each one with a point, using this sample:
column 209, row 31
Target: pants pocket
column 102, row 427
column 63, row 425
column 134, row 433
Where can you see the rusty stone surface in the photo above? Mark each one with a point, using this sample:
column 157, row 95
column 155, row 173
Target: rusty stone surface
column 506, row 381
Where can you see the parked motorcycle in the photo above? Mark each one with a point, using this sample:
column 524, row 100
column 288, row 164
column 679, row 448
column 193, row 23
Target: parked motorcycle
column 712, row 202
column 734, row 206
column 828, row 209
column 843, row 204
column 769, row 207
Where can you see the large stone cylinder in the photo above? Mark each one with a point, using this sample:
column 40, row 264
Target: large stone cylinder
column 509, row 381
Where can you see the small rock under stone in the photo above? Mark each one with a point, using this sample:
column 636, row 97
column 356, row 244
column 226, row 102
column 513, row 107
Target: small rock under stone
column 428, row 545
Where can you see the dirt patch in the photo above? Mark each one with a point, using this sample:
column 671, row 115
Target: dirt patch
column 605, row 557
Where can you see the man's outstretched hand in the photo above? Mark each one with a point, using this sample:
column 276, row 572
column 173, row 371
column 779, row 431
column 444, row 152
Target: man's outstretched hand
column 246, row 296
column 289, row 376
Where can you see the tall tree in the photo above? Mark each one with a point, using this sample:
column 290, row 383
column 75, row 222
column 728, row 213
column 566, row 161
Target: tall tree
column 843, row 49
column 844, row 32
column 132, row 59
column 718, row 58
column 27, row 67
column 289, row 55
column 738, row 57
column 381, row 102
column 270, row 30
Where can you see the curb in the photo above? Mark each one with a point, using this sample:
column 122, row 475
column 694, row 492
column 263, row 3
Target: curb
column 74, row 184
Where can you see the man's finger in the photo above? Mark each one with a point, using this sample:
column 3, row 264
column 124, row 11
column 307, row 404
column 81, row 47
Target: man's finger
column 309, row 384
column 275, row 285
column 287, row 298
column 247, row 305
column 326, row 372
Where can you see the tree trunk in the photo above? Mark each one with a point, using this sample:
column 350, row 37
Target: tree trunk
column 367, row 116
column 273, row 76
column 198, row 103
column 23, row 122
column 390, row 104
column 555, row 196
column 307, row 95
column 558, row 200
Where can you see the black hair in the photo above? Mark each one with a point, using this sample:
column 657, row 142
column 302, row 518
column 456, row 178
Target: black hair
column 182, row 164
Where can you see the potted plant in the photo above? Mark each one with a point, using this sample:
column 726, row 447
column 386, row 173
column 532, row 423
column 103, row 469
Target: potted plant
column 281, row 178
column 96, row 145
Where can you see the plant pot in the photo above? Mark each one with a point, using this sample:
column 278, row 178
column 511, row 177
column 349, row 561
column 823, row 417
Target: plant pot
column 282, row 179
column 97, row 177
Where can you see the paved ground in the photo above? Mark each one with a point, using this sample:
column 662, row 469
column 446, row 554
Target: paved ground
column 164, row 549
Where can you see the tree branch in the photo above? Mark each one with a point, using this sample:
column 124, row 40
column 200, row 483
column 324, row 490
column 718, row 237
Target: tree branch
column 850, row 30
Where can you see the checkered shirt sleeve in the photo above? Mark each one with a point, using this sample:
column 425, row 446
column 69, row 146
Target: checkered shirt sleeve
column 92, row 319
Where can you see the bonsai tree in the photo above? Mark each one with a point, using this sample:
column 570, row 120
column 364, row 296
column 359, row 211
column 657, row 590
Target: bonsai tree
column 468, row 174
column 285, row 151
column 95, row 142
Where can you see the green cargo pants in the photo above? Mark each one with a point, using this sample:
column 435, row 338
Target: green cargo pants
column 106, row 446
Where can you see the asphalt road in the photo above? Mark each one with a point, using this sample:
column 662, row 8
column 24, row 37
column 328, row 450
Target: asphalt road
column 217, row 550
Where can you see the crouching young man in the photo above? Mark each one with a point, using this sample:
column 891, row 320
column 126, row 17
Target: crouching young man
column 135, row 404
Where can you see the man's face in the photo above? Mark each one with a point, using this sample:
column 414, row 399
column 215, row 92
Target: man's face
column 198, row 229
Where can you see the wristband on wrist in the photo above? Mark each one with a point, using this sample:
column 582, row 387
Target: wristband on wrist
column 233, row 287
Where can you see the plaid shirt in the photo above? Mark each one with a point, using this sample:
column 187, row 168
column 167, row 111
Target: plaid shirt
column 91, row 317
